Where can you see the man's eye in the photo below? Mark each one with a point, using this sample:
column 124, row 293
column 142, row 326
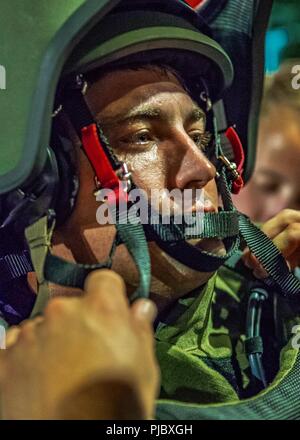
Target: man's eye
column 142, row 137
column 200, row 139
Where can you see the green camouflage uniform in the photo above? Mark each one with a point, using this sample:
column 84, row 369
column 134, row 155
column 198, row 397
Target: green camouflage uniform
column 200, row 349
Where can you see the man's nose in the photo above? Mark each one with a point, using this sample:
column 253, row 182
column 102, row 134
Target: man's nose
column 190, row 167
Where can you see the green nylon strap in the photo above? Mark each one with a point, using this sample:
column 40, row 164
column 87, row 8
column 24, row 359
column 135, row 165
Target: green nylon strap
column 221, row 225
column 271, row 259
column 38, row 237
column 65, row 273
column 51, row 268
column 260, row 245
column 69, row 274
column 60, row 271
column 133, row 236
column 188, row 254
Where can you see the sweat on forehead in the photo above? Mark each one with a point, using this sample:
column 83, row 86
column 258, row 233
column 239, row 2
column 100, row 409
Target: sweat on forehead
column 108, row 87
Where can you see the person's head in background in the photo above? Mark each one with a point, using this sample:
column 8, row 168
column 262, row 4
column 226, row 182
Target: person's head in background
column 275, row 183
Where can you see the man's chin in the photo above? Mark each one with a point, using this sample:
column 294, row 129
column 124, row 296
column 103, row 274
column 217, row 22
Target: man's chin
column 211, row 245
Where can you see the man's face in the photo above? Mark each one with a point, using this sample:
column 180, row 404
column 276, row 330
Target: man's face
column 154, row 126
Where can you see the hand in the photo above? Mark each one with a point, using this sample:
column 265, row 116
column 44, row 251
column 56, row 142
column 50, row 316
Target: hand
column 284, row 230
column 94, row 353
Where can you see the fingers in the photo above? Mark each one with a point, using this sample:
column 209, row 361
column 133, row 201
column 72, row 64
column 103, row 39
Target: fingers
column 288, row 242
column 252, row 263
column 105, row 290
column 12, row 336
column 284, row 230
column 144, row 310
column 13, row 333
column 281, row 221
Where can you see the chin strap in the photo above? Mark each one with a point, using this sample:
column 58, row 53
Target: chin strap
column 227, row 225
column 223, row 225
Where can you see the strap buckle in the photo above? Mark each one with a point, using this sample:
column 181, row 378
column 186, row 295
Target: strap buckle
column 231, row 167
column 125, row 176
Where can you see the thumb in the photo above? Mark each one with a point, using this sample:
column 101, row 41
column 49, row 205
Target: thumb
column 105, row 290
column 144, row 309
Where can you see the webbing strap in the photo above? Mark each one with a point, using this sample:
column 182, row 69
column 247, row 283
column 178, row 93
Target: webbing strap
column 270, row 258
column 221, row 225
column 133, row 236
column 170, row 237
column 49, row 267
column 39, row 239
column 192, row 256
column 59, row 271
column 224, row 224
column 69, row 274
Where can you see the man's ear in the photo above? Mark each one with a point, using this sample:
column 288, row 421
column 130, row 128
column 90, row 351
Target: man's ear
column 64, row 128
column 68, row 170
column 65, row 145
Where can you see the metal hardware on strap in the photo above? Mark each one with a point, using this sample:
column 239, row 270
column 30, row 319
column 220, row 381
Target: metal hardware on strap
column 239, row 158
column 125, row 176
column 231, row 167
column 229, row 147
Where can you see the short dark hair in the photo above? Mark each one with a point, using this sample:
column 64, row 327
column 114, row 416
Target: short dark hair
column 96, row 74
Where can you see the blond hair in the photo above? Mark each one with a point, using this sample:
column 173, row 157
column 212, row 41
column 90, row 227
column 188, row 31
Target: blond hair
column 279, row 89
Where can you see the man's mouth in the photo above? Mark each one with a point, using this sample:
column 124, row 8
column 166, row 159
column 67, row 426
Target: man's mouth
column 193, row 207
